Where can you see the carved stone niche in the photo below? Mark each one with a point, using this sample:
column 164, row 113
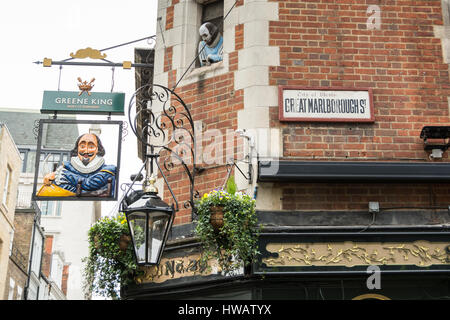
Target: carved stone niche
column 205, row 1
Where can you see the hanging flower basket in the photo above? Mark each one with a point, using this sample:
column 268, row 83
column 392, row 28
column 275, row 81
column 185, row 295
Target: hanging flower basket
column 96, row 242
column 124, row 241
column 111, row 262
column 216, row 218
column 227, row 228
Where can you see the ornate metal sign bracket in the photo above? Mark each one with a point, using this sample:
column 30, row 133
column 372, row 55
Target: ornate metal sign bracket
column 97, row 55
column 164, row 126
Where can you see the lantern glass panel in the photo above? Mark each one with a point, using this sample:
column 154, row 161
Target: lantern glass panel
column 137, row 221
column 157, row 225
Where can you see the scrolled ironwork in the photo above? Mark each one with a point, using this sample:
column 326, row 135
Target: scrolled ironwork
column 36, row 129
column 129, row 186
column 168, row 165
column 124, row 130
column 160, row 109
column 163, row 124
column 151, row 41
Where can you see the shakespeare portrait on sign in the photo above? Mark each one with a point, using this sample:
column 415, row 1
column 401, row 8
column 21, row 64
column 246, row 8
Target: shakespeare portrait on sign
column 85, row 175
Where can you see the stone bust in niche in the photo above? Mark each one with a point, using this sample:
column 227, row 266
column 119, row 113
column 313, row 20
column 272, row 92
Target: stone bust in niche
column 210, row 47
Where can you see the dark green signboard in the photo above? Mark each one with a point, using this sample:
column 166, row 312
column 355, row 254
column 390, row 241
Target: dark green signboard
column 84, row 102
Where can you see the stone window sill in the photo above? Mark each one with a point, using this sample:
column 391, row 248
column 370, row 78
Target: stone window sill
column 206, row 70
column 50, row 217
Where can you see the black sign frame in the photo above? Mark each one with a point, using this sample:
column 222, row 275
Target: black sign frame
column 42, row 122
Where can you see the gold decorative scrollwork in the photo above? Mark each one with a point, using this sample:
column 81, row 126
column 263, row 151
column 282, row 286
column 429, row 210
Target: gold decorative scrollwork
column 88, row 53
column 349, row 254
column 371, row 296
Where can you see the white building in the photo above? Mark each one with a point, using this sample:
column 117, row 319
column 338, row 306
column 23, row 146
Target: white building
column 68, row 222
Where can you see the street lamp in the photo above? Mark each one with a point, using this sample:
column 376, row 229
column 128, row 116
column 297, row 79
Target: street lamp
column 149, row 218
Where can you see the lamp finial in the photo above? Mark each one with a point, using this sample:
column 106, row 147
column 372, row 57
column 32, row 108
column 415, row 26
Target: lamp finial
column 149, row 185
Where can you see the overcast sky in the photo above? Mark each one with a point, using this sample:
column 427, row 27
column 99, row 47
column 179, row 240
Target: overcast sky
column 33, row 30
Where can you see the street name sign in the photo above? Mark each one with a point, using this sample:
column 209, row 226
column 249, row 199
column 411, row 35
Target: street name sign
column 325, row 104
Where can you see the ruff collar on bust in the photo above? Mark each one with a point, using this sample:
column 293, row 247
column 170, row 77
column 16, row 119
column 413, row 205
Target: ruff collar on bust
column 92, row 166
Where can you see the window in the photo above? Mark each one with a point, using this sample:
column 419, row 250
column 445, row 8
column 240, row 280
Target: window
column 11, row 240
column 44, row 289
column 57, row 269
column 37, row 252
column 23, row 158
column 19, row 293
column 28, row 158
column 32, row 293
column 212, row 11
column 6, row 186
column 12, row 284
column 50, row 208
column 49, row 160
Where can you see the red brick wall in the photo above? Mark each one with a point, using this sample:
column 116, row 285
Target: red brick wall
column 169, row 17
column 47, row 256
column 215, row 103
column 65, row 279
column 168, row 59
column 356, row 196
column 326, row 43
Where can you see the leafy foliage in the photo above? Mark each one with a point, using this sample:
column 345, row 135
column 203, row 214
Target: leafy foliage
column 235, row 244
column 231, row 185
column 107, row 267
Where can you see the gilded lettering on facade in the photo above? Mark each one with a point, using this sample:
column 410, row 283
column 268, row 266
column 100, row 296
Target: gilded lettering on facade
column 169, row 269
column 349, row 254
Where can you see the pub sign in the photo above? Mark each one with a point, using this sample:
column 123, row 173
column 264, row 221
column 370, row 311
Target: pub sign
column 72, row 102
column 77, row 160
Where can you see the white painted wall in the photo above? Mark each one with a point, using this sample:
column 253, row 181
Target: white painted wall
column 70, row 237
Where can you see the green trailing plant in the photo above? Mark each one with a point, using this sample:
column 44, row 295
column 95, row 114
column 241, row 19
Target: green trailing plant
column 235, row 244
column 108, row 266
column 231, row 185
